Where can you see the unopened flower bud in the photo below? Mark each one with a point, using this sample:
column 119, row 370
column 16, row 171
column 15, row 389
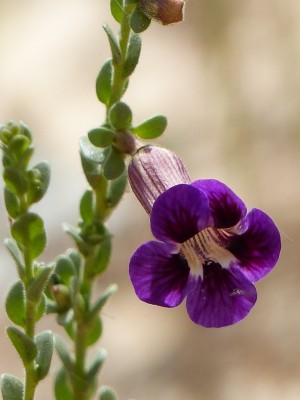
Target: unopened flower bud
column 164, row 11
column 153, row 170
column 125, row 142
column 61, row 294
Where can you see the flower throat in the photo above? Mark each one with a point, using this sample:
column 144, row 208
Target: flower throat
column 206, row 247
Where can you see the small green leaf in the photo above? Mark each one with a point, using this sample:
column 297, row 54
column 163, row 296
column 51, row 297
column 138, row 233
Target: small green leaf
column 63, row 353
column 11, row 387
column 104, row 82
column 51, row 307
column 65, row 319
column 68, row 324
column 99, row 304
column 92, row 153
column 18, row 127
column 15, row 304
column 92, row 171
column 44, row 344
column 120, row 115
column 75, row 256
column 73, row 232
column 65, row 269
column 28, row 231
column 41, row 309
column 5, row 134
column 18, row 146
column 133, row 54
column 63, row 389
column 18, row 151
column 114, row 45
column 96, row 364
column 16, row 254
column 15, row 180
column 114, row 165
column 101, row 258
column 116, row 9
column 39, row 283
column 12, row 203
column 93, row 233
column 151, row 128
column 116, row 189
column 87, row 206
column 95, row 331
column 25, row 347
column 7, row 159
column 91, row 159
column 101, row 137
column 107, row 393
column 139, row 22
column 38, row 182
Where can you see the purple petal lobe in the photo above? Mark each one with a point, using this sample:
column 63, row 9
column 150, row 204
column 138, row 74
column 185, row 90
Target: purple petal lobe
column 222, row 298
column 258, row 248
column 226, row 208
column 159, row 276
column 179, row 214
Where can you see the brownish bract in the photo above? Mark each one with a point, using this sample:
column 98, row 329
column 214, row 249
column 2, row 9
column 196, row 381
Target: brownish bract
column 165, row 11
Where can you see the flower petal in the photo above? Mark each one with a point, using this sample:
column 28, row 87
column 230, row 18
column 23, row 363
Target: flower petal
column 159, row 276
column 179, row 214
column 258, row 248
column 222, row 298
column 226, row 208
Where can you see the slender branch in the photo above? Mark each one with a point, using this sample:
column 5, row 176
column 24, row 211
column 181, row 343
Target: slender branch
column 118, row 80
column 82, row 389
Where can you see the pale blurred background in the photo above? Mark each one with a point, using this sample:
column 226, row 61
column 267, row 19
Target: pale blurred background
column 228, row 79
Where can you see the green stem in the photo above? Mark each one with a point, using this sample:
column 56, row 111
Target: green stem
column 23, row 204
column 100, row 206
column 125, row 29
column 80, row 385
column 30, row 376
column 81, row 389
column 118, row 80
column 80, row 349
column 30, row 382
column 28, row 267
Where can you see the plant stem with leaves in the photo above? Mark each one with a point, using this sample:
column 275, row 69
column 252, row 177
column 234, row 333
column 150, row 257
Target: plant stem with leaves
column 103, row 156
column 25, row 303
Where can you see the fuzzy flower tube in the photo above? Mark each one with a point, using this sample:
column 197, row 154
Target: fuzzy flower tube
column 209, row 248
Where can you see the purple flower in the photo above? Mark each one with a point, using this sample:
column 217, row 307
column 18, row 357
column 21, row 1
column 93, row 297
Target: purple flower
column 209, row 250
